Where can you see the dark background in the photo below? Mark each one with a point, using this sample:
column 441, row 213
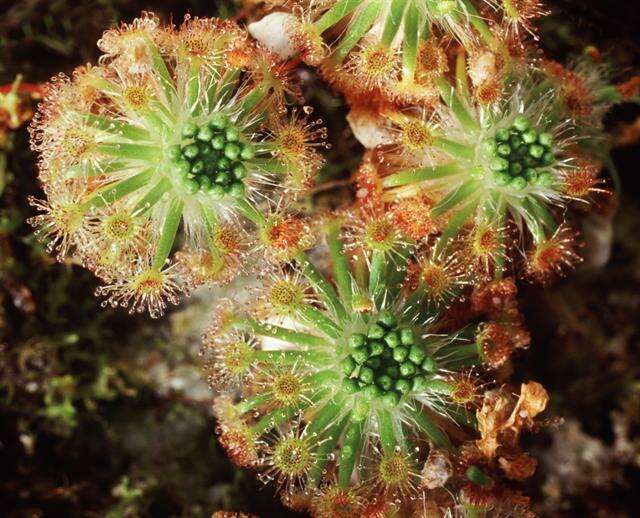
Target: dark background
column 95, row 417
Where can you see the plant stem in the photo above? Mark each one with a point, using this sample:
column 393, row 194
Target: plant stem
column 435, row 434
column 387, row 432
column 280, row 333
column 168, row 235
column 341, row 270
column 321, row 286
column 349, row 453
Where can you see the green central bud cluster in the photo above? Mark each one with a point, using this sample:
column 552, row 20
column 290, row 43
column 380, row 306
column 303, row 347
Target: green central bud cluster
column 519, row 152
column 210, row 157
column 386, row 362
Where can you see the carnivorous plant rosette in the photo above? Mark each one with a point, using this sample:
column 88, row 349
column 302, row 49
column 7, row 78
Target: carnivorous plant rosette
column 176, row 128
column 514, row 163
column 585, row 93
column 392, row 51
column 343, row 387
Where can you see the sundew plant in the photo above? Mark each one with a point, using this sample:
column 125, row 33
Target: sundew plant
column 360, row 375
column 176, row 128
column 357, row 366
column 395, row 51
column 486, row 165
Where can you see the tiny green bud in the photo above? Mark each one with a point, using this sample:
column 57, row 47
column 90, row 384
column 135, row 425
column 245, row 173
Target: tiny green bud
column 515, row 141
column 232, row 150
column 183, row 167
column 190, row 129
column 515, row 168
column 360, row 410
column 384, row 382
column 392, row 339
column 504, row 150
column 366, row 375
column 191, row 185
column 205, row 182
column 376, row 348
column 531, row 175
column 407, row 369
column 499, row 164
column 205, row 149
column 191, row 151
column 174, row 153
column 490, row 146
column 545, row 139
column 406, row 336
column 218, row 142
column 357, row 340
column 376, row 331
column 400, row 354
column 237, row 189
column 387, row 319
column 350, row 385
column 205, row 133
column 218, row 120
column 502, row 135
column 419, row 383
column 371, row 391
column 501, row 178
column 548, row 158
column 360, row 355
column 403, row 386
column 239, row 171
column 217, row 191
column 518, row 183
column 416, row 355
column 545, row 179
column 529, row 136
column 391, row 398
column 223, row 178
column 232, row 134
column 197, row 167
column 348, row 365
column 521, row 123
column 247, row 152
column 223, row 163
column 429, row 365
column 536, row 150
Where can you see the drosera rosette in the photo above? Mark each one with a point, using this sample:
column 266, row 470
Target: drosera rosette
column 339, row 388
column 392, row 50
column 586, row 93
column 493, row 170
column 178, row 136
